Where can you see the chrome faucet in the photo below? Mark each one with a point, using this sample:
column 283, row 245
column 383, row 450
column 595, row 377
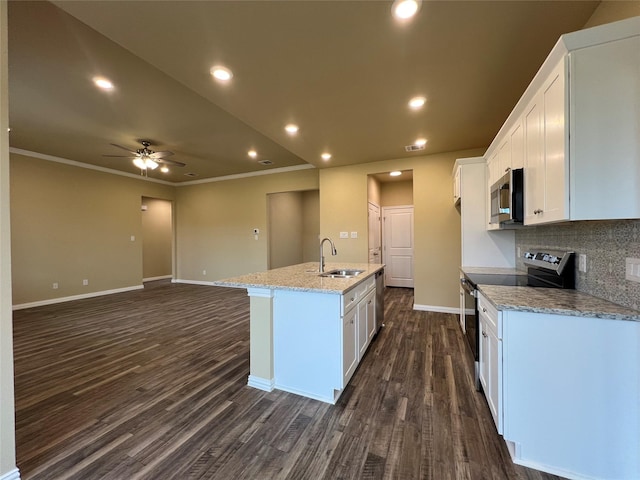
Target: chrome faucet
column 333, row 252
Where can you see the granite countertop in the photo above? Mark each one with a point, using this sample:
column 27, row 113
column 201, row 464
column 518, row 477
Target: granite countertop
column 555, row 301
column 303, row 277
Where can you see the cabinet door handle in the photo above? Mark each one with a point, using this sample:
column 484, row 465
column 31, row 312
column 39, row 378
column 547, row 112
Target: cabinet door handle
column 484, row 334
column 484, row 310
column 351, row 321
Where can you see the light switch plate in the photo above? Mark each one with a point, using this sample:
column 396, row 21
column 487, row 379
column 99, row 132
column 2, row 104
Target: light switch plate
column 344, row 234
column 582, row 262
column 354, row 234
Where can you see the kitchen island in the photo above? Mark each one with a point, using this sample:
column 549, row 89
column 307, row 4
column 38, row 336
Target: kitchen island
column 307, row 332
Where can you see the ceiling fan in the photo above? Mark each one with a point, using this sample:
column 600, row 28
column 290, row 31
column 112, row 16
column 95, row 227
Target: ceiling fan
column 144, row 158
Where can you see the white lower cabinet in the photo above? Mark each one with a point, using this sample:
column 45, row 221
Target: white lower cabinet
column 491, row 359
column 563, row 390
column 349, row 346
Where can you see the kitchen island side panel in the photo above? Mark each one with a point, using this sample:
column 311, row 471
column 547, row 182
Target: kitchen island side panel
column 307, row 331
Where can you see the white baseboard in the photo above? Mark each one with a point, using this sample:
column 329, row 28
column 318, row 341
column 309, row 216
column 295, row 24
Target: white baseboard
column 11, row 475
column 556, row 471
column 193, row 282
column 153, row 279
column 261, row 383
column 436, row 308
column 52, row 301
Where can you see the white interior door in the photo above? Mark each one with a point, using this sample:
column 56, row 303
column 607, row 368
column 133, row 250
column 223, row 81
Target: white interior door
column 375, row 254
column 397, row 245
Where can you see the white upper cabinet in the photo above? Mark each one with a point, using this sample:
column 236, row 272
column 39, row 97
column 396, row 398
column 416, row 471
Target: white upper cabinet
column 575, row 129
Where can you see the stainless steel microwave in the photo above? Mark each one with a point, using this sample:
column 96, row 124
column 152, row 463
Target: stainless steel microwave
column 507, row 198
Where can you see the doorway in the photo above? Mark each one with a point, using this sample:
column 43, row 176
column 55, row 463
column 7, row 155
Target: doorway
column 293, row 228
column 157, row 239
column 392, row 196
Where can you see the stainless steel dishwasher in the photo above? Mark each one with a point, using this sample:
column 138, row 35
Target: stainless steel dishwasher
column 379, row 299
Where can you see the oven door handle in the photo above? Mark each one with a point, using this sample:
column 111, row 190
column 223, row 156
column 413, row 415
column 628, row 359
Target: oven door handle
column 469, row 288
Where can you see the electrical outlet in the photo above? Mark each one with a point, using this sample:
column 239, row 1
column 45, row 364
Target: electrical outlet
column 582, row 262
column 85, row 282
column 204, row 272
column 344, row 234
column 55, row 285
column 519, row 252
column 133, row 238
column 632, row 269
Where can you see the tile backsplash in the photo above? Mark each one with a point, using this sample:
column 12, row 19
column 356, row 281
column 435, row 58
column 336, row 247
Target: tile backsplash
column 606, row 244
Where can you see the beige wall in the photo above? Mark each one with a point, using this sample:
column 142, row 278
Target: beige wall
column 7, row 423
column 285, row 229
column 69, row 224
column 394, row 194
column 343, row 207
column 310, row 225
column 373, row 190
column 157, row 238
column 215, row 223
column 612, row 11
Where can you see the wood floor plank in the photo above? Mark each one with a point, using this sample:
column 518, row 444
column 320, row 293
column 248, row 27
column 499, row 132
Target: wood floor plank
column 151, row 384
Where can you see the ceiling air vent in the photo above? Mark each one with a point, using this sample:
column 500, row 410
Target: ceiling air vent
column 414, row 148
column 190, row 174
column 265, row 162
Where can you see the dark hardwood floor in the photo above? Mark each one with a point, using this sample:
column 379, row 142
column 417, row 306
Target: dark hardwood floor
column 151, row 384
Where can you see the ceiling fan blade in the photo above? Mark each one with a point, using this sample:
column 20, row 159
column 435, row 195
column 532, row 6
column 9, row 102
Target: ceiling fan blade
column 169, row 162
column 119, row 156
column 165, row 153
column 132, row 152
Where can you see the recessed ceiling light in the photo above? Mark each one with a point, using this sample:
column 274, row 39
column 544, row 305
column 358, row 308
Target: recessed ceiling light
column 252, row 153
column 291, row 129
column 221, row 73
column 164, row 170
column 395, row 173
column 326, row 156
column 417, row 102
column 103, row 83
column 421, row 141
column 405, row 9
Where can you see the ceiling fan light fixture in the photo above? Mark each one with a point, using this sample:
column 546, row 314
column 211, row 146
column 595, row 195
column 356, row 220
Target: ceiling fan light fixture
column 151, row 164
column 140, row 163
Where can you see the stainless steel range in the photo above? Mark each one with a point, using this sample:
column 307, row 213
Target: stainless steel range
column 547, row 269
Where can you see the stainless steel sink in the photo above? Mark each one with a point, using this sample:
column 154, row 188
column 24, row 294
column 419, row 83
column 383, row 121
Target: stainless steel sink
column 338, row 273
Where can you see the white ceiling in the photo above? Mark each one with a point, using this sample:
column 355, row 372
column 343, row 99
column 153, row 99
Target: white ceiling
column 342, row 70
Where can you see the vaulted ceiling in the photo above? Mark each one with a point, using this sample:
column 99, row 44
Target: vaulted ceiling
column 343, row 71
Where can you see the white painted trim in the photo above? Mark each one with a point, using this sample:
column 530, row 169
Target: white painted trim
column 436, row 308
column 52, row 301
column 161, row 277
column 193, row 282
column 284, row 388
column 555, row 471
column 261, row 383
column 52, row 158
column 73, row 163
column 245, row 175
column 11, row 475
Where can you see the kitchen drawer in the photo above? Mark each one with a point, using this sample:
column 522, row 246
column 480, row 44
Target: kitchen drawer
column 486, row 308
column 349, row 300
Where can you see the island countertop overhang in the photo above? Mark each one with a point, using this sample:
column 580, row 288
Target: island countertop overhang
column 303, row 277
